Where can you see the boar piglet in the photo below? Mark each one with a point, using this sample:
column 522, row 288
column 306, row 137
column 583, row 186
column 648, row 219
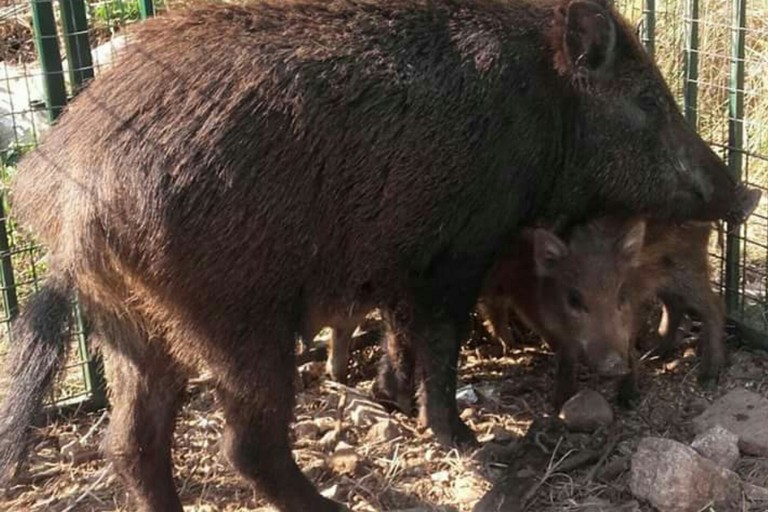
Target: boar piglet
column 675, row 269
column 575, row 294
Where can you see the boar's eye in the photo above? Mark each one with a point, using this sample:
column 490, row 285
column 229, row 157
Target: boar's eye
column 575, row 300
column 649, row 102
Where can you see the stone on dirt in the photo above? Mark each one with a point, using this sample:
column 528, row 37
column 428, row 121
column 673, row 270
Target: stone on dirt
column 744, row 413
column 673, row 477
column 586, row 411
column 384, row 431
column 344, row 460
column 306, row 430
column 719, row 445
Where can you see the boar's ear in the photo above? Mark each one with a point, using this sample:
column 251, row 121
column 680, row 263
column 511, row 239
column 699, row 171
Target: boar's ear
column 588, row 33
column 548, row 251
column 631, row 243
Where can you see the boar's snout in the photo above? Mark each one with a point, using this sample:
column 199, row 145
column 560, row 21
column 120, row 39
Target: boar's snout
column 612, row 365
column 745, row 203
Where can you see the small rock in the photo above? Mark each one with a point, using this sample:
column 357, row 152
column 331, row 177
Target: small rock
column 344, row 460
column 306, row 430
column 673, row 477
column 364, row 412
column 586, row 411
column 744, row 413
column 467, row 395
column 330, row 492
column 383, row 431
column 719, row 445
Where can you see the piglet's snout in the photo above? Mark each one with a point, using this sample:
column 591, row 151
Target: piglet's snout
column 613, row 365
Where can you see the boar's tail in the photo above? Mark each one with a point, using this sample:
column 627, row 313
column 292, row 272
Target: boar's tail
column 37, row 350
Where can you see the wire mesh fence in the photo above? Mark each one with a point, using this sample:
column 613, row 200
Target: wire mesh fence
column 714, row 54
column 49, row 51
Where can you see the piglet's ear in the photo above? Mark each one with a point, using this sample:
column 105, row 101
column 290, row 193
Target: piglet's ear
column 548, row 251
column 630, row 244
column 588, row 33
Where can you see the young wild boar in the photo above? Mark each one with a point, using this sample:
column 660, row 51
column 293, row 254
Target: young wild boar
column 675, row 268
column 245, row 165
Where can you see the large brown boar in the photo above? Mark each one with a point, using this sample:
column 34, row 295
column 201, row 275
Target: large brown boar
column 245, row 166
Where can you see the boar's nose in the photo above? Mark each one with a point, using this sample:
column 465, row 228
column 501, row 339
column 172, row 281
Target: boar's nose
column 613, row 365
column 745, row 204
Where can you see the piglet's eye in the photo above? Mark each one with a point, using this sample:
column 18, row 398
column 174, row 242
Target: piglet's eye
column 623, row 297
column 576, row 300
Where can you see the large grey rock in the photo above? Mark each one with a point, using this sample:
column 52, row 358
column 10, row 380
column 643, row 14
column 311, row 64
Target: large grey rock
column 719, row 445
column 673, row 477
column 744, row 413
column 586, row 411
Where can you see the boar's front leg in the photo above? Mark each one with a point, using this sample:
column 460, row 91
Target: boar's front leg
column 436, row 341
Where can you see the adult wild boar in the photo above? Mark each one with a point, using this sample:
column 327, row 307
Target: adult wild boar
column 244, row 166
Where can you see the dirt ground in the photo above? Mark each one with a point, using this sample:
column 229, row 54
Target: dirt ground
column 67, row 473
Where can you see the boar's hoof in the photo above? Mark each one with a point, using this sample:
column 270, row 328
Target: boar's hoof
column 708, row 381
column 459, row 436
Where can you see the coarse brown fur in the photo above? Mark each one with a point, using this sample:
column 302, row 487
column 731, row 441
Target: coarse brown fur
column 244, row 166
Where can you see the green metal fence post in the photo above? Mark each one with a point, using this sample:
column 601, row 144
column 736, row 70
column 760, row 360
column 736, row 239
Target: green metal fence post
column 691, row 63
column 10, row 300
column 47, row 45
column 76, row 42
column 146, row 8
column 649, row 26
column 735, row 145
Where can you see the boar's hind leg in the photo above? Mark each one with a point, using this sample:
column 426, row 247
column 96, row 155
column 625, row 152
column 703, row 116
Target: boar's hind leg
column 256, row 391
column 146, row 389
